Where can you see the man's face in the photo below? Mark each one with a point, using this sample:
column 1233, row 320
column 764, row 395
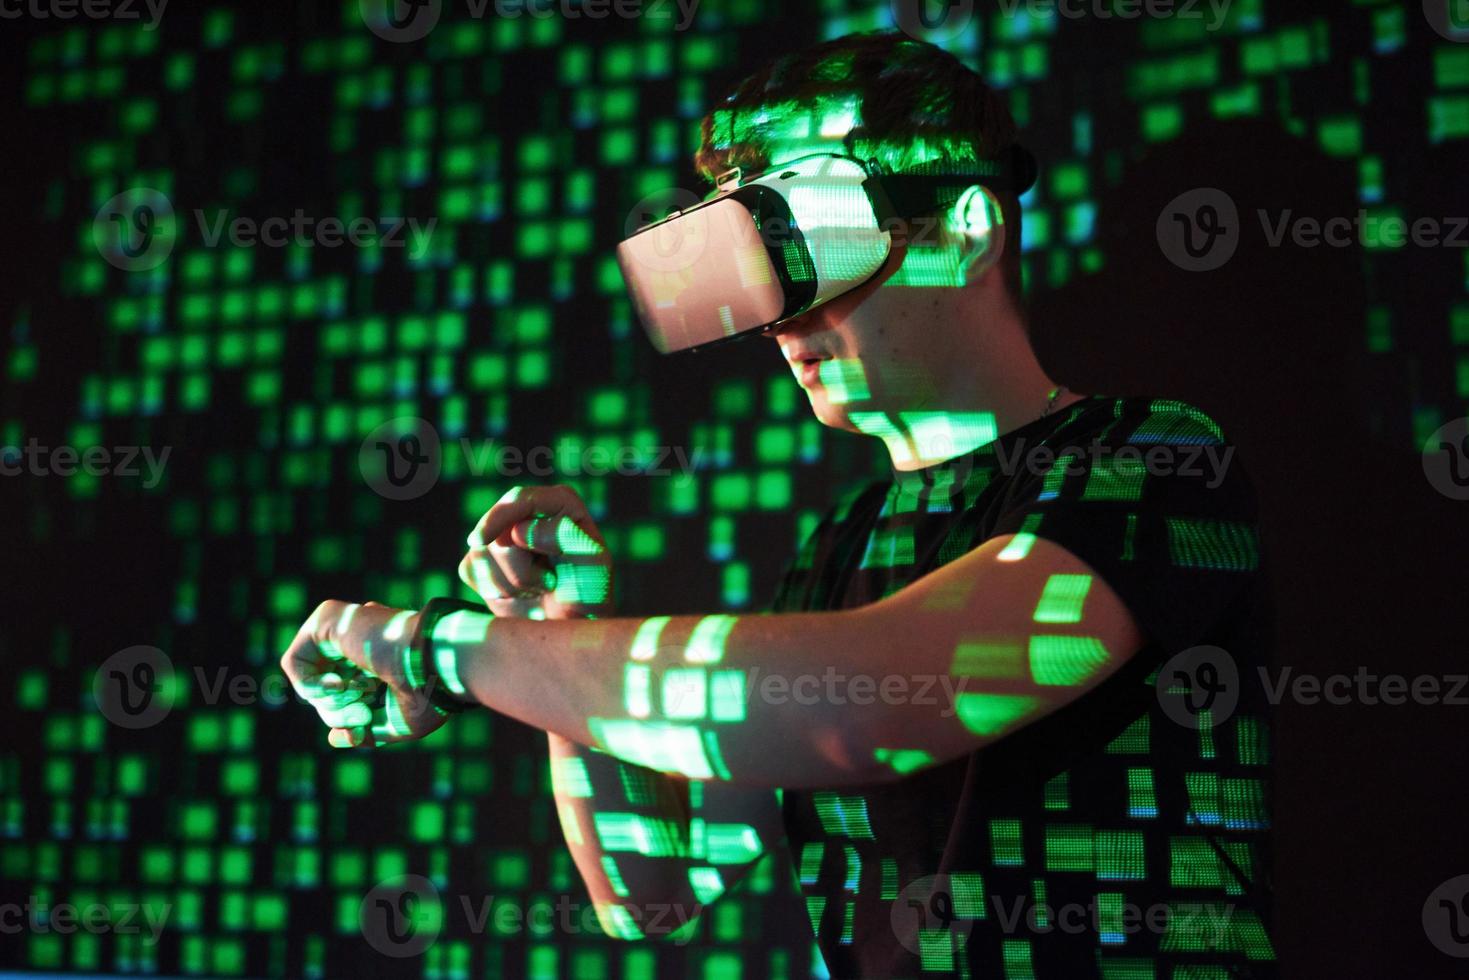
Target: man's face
column 879, row 356
column 882, row 353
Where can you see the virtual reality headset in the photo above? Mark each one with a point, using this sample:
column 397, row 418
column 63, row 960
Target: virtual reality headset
column 783, row 243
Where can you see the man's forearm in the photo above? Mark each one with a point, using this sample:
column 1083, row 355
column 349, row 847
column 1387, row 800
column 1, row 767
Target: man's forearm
column 717, row 831
column 635, row 893
column 984, row 646
column 712, row 697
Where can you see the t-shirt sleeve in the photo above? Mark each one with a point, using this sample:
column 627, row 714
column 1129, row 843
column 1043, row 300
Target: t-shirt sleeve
column 800, row 583
column 1159, row 507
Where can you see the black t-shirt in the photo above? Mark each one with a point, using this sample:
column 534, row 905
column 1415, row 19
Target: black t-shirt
column 1125, row 836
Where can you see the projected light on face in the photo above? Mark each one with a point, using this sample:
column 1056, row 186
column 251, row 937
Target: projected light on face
column 862, row 359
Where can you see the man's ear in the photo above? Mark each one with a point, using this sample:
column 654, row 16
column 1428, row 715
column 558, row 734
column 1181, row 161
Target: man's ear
column 977, row 225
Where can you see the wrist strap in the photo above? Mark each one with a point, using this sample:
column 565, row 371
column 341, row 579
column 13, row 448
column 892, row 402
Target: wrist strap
column 421, row 651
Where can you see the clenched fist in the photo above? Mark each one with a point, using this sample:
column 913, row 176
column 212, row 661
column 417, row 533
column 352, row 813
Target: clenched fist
column 348, row 662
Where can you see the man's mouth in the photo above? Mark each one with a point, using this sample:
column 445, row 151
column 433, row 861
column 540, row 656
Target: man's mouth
column 808, row 368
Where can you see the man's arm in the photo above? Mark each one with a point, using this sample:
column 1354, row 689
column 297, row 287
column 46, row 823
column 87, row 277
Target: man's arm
column 597, row 795
column 985, row 645
column 654, row 891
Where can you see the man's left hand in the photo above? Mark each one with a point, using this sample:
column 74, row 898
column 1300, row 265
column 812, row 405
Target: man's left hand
column 348, row 662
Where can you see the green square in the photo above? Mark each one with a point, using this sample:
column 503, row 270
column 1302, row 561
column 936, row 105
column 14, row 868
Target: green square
column 426, row 822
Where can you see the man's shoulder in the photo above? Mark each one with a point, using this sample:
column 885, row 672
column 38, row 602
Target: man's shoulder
column 1138, row 420
column 1148, row 455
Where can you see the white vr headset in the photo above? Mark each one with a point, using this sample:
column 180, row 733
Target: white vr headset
column 784, row 243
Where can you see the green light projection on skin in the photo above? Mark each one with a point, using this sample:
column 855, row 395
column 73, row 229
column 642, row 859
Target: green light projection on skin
column 991, row 715
column 1065, row 660
column 927, row 436
column 844, row 380
column 904, row 760
column 1062, row 599
column 706, row 643
column 645, row 641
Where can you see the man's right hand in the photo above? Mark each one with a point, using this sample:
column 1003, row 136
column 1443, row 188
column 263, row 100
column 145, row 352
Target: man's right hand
column 538, row 554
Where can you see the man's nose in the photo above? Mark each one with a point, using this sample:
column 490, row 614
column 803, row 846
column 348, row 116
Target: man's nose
column 793, row 327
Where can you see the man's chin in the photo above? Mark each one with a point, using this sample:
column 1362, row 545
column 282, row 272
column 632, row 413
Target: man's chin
column 833, row 416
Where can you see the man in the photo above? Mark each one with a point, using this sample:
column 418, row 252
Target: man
column 951, row 717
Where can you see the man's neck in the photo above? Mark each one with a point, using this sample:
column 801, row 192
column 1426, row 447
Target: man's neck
column 919, row 439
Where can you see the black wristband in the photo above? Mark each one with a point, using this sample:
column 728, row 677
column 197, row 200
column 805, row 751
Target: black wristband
column 421, row 651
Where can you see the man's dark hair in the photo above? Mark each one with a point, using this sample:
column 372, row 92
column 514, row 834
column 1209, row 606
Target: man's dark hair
column 913, row 107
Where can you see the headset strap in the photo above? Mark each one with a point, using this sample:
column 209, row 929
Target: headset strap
column 906, row 195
